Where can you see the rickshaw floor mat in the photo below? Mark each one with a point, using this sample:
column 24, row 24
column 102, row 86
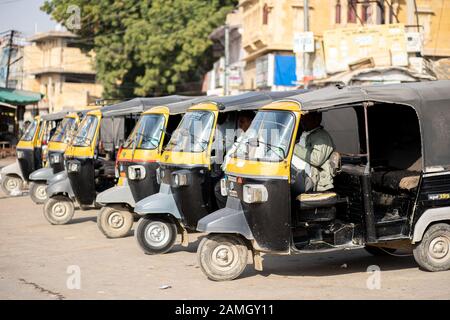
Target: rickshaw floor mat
column 396, row 180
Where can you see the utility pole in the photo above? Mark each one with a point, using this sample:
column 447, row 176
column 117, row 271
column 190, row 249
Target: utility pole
column 305, row 29
column 227, row 61
column 10, row 43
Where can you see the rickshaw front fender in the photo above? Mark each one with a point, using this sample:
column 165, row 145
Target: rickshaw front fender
column 12, row 169
column 116, row 194
column 230, row 219
column 162, row 202
column 60, row 184
column 44, row 174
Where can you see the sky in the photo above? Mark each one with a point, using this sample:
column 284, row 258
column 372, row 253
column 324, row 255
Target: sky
column 24, row 16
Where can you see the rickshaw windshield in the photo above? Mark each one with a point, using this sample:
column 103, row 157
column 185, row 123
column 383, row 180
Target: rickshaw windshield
column 63, row 130
column 29, row 133
column 147, row 132
column 86, row 132
column 193, row 132
column 268, row 137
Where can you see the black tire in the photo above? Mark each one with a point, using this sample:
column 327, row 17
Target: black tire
column 215, row 263
column 155, row 235
column 114, row 222
column 433, row 252
column 379, row 251
column 38, row 192
column 59, row 210
column 11, row 184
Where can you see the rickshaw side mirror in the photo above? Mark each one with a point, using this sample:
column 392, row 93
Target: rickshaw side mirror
column 253, row 142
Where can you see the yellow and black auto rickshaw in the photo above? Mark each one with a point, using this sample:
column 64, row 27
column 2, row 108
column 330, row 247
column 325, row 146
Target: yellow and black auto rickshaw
column 190, row 166
column 55, row 156
column 391, row 180
column 31, row 153
column 137, row 164
column 91, row 157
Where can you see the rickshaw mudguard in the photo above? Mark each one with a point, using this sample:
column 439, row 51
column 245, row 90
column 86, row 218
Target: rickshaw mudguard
column 116, row 194
column 12, row 169
column 427, row 218
column 230, row 219
column 161, row 202
column 42, row 174
column 60, row 184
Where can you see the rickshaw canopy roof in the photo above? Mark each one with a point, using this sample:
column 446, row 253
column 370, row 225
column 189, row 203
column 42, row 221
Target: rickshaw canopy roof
column 430, row 100
column 138, row 105
column 182, row 106
column 55, row 116
column 250, row 100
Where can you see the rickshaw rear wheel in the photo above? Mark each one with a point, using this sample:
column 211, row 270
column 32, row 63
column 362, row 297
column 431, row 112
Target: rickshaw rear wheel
column 433, row 252
column 11, row 184
column 114, row 222
column 59, row 210
column 155, row 235
column 379, row 251
column 222, row 257
column 38, row 192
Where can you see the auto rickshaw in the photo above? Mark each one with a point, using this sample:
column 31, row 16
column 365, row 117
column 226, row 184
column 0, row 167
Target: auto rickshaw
column 90, row 158
column 139, row 157
column 31, row 153
column 189, row 170
column 55, row 149
column 391, row 188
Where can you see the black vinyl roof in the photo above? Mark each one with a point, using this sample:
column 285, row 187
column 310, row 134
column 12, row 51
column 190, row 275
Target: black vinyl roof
column 54, row 116
column 138, row 105
column 415, row 94
column 250, row 100
column 430, row 100
column 182, row 106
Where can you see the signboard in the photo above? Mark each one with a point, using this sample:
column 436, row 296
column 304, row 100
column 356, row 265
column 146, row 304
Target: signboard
column 303, row 42
column 413, row 42
column 385, row 44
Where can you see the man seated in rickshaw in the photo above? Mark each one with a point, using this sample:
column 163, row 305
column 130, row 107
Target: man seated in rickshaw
column 311, row 159
column 245, row 118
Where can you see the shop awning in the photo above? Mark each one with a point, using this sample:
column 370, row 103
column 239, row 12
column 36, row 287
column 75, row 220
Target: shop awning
column 19, row 97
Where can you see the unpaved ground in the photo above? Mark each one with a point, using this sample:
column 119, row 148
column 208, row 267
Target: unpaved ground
column 37, row 259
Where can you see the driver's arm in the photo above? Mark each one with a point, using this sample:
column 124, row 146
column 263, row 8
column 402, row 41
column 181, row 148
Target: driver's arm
column 314, row 153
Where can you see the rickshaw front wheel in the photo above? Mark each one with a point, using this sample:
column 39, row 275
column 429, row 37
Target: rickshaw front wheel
column 11, row 185
column 114, row 222
column 433, row 252
column 156, row 235
column 222, row 256
column 38, row 192
column 59, row 210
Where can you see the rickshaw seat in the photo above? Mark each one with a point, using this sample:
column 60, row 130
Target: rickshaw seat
column 317, row 200
column 396, row 180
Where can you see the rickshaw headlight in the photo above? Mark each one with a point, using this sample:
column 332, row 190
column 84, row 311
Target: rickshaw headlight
column 73, row 167
column 223, row 187
column 19, row 154
column 136, row 172
column 180, row 179
column 55, row 158
column 255, row 193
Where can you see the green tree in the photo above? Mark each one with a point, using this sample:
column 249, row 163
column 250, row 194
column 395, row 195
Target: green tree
column 146, row 47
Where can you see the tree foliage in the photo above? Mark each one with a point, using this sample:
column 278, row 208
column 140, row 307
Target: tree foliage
column 146, row 47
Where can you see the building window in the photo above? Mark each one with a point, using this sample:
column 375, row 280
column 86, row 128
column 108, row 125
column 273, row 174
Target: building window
column 337, row 18
column 265, row 14
column 351, row 11
column 380, row 12
column 365, row 11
